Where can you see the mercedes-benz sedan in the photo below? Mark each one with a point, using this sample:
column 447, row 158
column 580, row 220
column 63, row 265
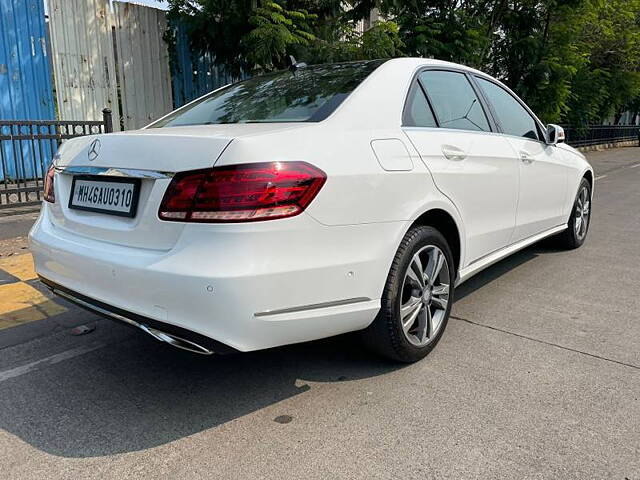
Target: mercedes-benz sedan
column 308, row 203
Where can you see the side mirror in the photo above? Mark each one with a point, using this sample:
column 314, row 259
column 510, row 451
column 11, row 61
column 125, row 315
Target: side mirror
column 555, row 134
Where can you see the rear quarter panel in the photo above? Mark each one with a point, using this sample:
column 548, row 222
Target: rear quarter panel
column 358, row 190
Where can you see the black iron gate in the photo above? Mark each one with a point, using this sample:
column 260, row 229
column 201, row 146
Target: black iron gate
column 27, row 148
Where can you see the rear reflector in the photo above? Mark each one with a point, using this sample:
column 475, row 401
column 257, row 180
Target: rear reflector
column 241, row 193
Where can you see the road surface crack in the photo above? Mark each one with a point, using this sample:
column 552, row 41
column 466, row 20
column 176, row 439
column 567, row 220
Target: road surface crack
column 519, row 335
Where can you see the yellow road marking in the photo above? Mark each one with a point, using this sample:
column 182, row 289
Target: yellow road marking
column 21, row 303
column 20, row 266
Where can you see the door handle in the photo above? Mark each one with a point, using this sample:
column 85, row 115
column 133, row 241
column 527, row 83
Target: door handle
column 526, row 158
column 453, row 153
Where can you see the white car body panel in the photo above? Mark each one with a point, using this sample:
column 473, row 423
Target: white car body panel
column 320, row 273
column 482, row 183
column 543, row 186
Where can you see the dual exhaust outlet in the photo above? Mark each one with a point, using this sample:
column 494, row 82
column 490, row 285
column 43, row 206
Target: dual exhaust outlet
column 174, row 340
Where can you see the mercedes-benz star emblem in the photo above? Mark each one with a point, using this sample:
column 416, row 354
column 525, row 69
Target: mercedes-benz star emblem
column 94, row 150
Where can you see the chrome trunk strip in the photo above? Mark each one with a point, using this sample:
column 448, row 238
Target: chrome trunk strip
column 114, row 172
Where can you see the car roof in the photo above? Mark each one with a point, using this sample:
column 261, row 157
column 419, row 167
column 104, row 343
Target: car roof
column 403, row 62
column 416, row 62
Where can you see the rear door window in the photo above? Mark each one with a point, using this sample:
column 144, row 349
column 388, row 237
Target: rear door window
column 512, row 116
column 417, row 112
column 454, row 101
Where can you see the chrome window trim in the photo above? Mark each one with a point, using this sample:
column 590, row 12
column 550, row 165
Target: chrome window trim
column 481, row 132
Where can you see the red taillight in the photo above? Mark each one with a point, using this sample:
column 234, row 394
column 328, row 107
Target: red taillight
column 49, row 192
column 241, row 193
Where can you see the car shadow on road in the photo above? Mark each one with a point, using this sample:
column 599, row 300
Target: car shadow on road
column 503, row 266
column 138, row 394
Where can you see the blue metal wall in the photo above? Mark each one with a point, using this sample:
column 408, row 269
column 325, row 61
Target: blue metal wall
column 26, row 90
column 193, row 74
column 25, row 74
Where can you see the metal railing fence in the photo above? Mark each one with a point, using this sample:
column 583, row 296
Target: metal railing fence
column 27, row 148
column 600, row 134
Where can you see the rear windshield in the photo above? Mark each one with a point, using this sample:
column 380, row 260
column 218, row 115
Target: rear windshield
column 309, row 94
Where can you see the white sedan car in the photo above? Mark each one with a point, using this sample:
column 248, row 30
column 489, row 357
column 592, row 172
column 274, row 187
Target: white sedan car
column 309, row 203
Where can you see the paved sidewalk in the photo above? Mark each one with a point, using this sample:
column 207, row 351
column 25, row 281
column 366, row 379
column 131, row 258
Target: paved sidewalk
column 22, row 298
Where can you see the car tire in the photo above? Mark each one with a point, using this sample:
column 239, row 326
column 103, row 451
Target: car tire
column 578, row 224
column 429, row 301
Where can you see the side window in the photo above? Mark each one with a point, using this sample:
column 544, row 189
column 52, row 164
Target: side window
column 454, row 101
column 417, row 111
column 513, row 117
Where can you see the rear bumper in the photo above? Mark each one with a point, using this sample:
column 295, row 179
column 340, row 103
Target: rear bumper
column 189, row 340
column 245, row 287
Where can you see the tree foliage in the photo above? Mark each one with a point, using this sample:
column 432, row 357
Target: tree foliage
column 276, row 31
column 574, row 61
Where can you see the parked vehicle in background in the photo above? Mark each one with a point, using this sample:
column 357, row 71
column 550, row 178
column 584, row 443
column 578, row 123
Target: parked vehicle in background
column 309, row 203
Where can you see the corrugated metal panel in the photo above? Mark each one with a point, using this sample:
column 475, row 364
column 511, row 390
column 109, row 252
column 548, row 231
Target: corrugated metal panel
column 25, row 76
column 143, row 64
column 194, row 74
column 25, row 85
column 83, row 60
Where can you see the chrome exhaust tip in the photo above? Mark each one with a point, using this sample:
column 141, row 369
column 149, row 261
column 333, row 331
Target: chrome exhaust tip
column 175, row 341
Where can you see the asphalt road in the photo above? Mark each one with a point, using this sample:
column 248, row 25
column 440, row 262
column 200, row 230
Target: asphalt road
column 537, row 376
column 16, row 222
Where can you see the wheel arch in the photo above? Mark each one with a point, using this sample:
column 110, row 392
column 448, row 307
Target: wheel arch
column 445, row 223
column 588, row 174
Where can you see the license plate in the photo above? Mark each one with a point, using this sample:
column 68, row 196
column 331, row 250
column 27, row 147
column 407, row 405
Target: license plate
column 112, row 195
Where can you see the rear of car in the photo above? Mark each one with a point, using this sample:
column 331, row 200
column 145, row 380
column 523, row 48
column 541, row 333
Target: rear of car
column 196, row 229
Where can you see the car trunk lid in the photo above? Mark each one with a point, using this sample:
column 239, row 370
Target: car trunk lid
column 150, row 155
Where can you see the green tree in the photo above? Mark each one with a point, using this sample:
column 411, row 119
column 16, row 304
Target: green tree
column 216, row 26
column 571, row 60
column 249, row 36
column 609, row 80
column 276, row 30
column 382, row 40
column 575, row 61
column 448, row 30
column 536, row 52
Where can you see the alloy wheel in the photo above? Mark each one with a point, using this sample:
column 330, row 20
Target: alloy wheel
column 583, row 206
column 424, row 295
